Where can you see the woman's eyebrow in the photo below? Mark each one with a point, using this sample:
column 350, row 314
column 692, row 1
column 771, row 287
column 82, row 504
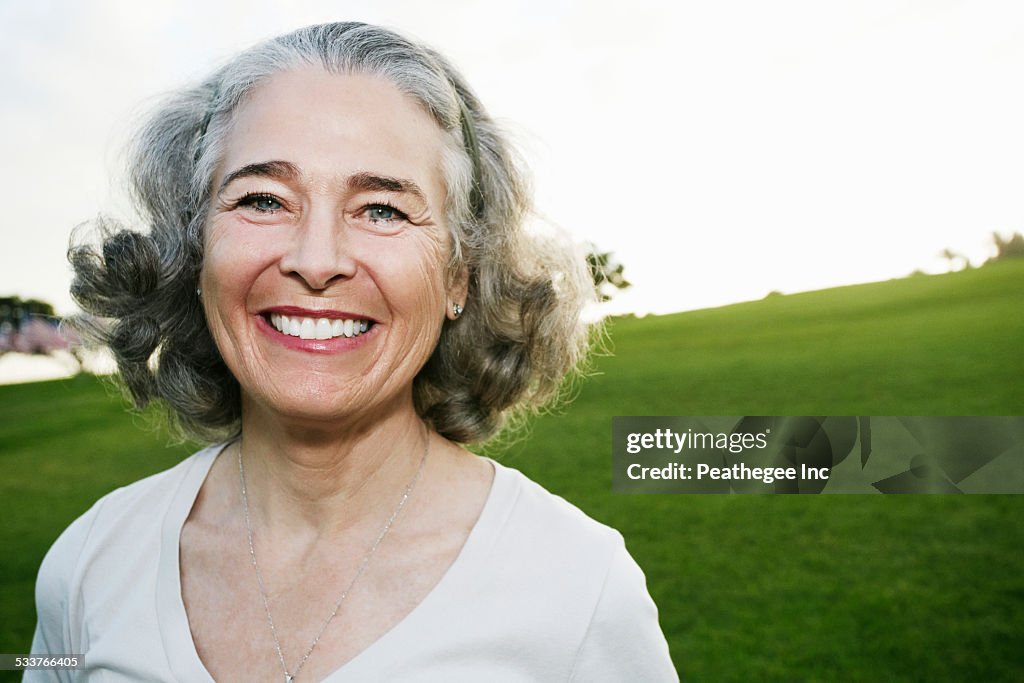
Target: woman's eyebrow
column 278, row 170
column 365, row 181
column 371, row 182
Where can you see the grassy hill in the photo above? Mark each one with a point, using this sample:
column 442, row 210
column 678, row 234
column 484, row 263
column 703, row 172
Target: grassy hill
column 787, row 588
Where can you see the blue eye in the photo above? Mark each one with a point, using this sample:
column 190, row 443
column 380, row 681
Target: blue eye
column 266, row 204
column 382, row 213
column 261, row 203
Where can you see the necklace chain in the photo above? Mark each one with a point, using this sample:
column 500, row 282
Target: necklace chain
column 289, row 677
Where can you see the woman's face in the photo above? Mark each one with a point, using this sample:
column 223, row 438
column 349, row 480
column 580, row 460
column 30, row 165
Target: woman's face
column 325, row 249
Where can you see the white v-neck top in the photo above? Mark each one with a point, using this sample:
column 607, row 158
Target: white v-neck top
column 539, row 592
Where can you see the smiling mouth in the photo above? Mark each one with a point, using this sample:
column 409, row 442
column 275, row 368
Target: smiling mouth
column 317, row 328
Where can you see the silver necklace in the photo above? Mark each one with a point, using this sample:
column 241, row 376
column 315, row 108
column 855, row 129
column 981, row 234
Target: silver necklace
column 289, row 677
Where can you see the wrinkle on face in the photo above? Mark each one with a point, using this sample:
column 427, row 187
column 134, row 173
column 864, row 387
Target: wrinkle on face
column 323, row 147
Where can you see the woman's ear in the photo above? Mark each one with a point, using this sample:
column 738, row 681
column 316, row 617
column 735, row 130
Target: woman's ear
column 457, row 292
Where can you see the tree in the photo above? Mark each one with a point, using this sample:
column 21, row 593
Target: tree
column 953, row 257
column 606, row 273
column 30, row 326
column 1013, row 247
column 38, row 309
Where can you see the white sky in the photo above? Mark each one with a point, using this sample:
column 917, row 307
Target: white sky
column 721, row 149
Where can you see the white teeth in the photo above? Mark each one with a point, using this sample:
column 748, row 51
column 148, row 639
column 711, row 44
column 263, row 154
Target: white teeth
column 317, row 328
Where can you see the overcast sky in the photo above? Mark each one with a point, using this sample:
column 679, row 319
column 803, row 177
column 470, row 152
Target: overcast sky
column 721, row 149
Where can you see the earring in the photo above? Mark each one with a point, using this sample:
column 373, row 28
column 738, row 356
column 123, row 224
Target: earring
column 456, row 310
column 199, row 292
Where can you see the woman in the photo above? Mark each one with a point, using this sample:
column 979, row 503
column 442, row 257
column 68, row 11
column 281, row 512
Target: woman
column 335, row 285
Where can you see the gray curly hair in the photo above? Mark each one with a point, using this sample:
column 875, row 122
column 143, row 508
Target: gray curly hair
column 512, row 348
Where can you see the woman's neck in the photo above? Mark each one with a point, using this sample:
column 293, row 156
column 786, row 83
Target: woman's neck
column 306, row 482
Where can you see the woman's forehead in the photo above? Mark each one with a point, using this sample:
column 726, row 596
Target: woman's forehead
column 331, row 126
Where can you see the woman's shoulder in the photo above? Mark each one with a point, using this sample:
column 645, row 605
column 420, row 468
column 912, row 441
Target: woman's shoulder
column 124, row 512
column 548, row 518
column 544, row 540
column 545, row 556
column 114, row 545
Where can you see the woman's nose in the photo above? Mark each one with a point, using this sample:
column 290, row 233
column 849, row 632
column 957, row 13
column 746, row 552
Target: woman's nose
column 320, row 251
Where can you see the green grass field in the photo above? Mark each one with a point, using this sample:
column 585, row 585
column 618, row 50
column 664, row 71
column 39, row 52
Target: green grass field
column 750, row 588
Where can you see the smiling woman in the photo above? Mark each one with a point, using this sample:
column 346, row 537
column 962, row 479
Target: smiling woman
column 335, row 290
column 332, row 195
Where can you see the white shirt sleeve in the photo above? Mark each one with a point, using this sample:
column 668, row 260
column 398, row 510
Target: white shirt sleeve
column 53, row 633
column 624, row 641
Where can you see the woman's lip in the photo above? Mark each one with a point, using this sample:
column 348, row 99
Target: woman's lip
column 328, row 313
column 332, row 345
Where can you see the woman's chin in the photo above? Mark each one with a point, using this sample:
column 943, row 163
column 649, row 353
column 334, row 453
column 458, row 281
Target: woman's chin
column 310, row 402
column 319, row 398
